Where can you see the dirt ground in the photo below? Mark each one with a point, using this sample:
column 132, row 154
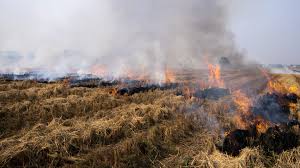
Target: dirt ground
column 54, row 125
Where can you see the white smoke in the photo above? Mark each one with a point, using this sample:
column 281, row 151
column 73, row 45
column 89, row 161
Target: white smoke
column 74, row 35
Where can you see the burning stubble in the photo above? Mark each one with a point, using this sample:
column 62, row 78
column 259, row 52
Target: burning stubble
column 137, row 79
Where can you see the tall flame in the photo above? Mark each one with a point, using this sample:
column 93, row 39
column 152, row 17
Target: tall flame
column 214, row 78
column 243, row 104
column 169, row 76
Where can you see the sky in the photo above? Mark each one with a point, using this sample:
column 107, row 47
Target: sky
column 268, row 30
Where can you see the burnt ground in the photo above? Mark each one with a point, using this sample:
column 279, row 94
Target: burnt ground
column 56, row 125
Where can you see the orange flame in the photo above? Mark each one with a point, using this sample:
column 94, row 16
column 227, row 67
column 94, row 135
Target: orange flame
column 113, row 91
column 274, row 86
column 128, row 73
column 243, row 119
column 293, row 89
column 261, row 125
column 243, row 104
column 169, row 76
column 242, row 101
column 99, row 70
column 215, row 76
column 239, row 122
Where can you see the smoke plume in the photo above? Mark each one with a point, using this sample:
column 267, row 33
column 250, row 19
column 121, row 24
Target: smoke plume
column 63, row 36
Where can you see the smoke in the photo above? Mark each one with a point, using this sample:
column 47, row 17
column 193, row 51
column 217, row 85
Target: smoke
column 65, row 36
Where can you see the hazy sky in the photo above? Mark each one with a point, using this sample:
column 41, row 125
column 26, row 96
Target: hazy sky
column 269, row 30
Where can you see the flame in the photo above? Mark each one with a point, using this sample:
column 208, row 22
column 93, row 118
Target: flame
column 293, row 107
column 113, row 91
column 243, row 119
column 274, row 86
column 282, row 88
column 242, row 101
column 169, row 76
column 215, row 76
column 128, row 73
column 261, row 125
column 243, row 104
column 271, row 85
column 293, row 89
column 143, row 76
column 99, row 70
column 226, row 133
column 239, row 122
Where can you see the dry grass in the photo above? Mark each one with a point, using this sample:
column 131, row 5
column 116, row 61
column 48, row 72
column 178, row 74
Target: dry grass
column 53, row 125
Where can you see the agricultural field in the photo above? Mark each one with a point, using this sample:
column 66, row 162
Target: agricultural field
column 56, row 125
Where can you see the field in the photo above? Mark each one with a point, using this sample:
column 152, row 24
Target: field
column 55, row 125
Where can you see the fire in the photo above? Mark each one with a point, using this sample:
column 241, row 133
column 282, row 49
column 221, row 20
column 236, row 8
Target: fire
column 169, row 76
column 278, row 87
column 215, row 76
column 243, row 104
column 113, row 91
column 128, row 73
column 261, row 125
column 226, row 133
column 242, row 101
column 274, row 86
column 240, row 122
column 293, row 89
column 293, row 107
column 99, row 70
column 244, row 118
column 143, row 75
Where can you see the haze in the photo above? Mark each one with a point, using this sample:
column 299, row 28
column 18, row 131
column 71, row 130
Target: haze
column 268, row 30
column 74, row 34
